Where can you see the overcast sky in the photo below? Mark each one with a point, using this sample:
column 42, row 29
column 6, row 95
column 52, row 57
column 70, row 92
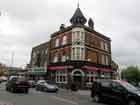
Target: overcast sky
column 27, row 23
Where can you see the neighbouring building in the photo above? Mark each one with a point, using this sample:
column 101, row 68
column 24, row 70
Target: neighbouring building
column 8, row 71
column 39, row 62
column 76, row 53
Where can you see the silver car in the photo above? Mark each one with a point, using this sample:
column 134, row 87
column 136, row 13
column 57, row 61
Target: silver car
column 47, row 86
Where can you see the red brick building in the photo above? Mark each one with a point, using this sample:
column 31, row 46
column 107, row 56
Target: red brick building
column 76, row 53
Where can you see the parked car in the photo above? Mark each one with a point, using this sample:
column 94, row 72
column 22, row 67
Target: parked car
column 116, row 91
column 15, row 84
column 32, row 83
column 46, row 86
column 3, row 78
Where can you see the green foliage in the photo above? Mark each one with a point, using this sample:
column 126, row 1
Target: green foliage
column 1, row 72
column 131, row 74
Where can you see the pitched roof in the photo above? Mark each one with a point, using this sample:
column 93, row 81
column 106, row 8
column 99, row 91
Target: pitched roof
column 78, row 17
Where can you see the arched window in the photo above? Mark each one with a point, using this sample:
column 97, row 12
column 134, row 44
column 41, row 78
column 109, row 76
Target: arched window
column 64, row 40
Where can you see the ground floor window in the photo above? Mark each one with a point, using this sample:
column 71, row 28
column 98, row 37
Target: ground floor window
column 61, row 77
column 106, row 75
column 90, row 77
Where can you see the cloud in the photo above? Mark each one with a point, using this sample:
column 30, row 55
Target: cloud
column 27, row 23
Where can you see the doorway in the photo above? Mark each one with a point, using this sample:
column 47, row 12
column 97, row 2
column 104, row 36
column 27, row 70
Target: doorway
column 77, row 76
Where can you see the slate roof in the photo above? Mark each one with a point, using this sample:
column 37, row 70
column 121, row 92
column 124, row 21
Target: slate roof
column 78, row 17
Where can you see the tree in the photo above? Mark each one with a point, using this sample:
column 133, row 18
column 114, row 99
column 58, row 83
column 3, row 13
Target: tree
column 1, row 72
column 131, row 74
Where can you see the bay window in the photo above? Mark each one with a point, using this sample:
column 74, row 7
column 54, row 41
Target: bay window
column 78, row 53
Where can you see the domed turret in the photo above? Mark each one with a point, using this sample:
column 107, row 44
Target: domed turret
column 78, row 18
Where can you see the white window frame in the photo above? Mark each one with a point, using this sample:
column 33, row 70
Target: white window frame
column 63, row 58
column 106, row 46
column 46, row 51
column 45, row 63
column 90, row 75
column 102, row 45
column 57, row 42
column 62, row 74
column 103, row 59
column 34, row 54
column 64, row 40
column 55, row 59
column 106, row 60
column 75, row 53
column 78, row 39
column 78, row 35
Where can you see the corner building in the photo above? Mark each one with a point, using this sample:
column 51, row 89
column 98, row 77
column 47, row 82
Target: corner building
column 76, row 53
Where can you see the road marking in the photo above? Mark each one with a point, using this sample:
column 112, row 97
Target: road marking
column 65, row 100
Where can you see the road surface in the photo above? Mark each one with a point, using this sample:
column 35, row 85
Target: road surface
column 43, row 98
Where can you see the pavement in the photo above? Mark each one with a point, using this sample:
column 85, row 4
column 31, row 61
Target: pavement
column 79, row 92
column 84, row 92
column 63, row 97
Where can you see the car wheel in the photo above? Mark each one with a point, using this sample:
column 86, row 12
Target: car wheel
column 44, row 89
column 12, row 90
column 56, row 91
column 132, row 102
column 26, row 91
column 7, row 89
column 37, row 89
column 97, row 98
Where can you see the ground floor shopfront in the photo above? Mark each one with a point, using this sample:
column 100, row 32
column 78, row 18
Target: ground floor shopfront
column 83, row 76
column 37, row 73
column 80, row 72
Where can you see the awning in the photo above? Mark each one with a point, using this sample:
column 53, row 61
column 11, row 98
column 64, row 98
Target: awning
column 36, row 73
column 90, row 68
column 59, row 68
column 105, row 70
column 93, row 68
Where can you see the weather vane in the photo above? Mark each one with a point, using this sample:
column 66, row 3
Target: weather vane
column 78, row 4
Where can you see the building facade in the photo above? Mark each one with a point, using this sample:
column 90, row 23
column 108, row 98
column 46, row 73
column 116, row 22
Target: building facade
column 76, row 53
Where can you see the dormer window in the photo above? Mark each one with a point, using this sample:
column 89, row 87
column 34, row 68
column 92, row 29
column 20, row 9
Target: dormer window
column 57, row 42
column 64, row 40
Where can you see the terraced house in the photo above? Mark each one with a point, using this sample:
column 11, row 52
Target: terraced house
column 76, row 53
